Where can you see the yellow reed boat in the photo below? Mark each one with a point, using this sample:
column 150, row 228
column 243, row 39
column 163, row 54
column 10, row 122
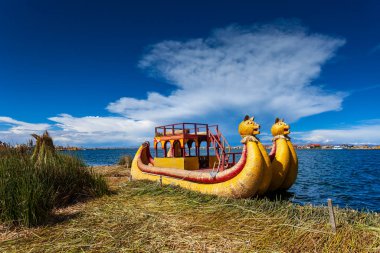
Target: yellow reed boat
column 213, row 168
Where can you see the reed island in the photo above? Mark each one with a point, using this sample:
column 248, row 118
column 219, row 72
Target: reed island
column 53, row 202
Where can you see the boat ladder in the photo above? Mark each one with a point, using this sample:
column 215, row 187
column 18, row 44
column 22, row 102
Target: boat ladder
column 220, row 145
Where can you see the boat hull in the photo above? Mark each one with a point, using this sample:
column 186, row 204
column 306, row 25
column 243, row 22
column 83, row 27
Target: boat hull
column 293, row 168
column 280, row 164
column 241, row 181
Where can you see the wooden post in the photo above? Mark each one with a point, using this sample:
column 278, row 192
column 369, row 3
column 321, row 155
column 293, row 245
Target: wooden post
column 332, row 216
column 161, row 181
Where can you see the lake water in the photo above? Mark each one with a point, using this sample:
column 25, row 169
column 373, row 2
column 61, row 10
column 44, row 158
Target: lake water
column 349, row 177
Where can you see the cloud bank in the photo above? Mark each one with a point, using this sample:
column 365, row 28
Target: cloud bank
column 17, row 126
column 98, row 130
column 268, row 69
column 89, row 130
column 367, row 133
column 16, row 131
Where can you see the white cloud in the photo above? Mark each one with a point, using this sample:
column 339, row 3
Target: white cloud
column 265, row 69
column 99, row 130
column 120, row 131
column 89, row 130
column 93, row 124
column 18, row 131
column 17, row 127
column 367, row 133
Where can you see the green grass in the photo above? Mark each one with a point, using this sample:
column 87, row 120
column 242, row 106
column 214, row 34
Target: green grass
column 30, row 188
column 144, row 217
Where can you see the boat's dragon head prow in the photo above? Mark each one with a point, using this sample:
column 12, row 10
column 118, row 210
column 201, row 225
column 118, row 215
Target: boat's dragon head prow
column 280, row 129
column 284, row 161
column 248, row 129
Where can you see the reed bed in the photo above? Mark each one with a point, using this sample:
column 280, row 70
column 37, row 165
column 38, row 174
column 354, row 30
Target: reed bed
column 144, row 217
column 32, row 184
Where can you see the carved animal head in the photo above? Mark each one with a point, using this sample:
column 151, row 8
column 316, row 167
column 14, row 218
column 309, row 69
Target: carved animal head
column 280, row 127
column 248, row 127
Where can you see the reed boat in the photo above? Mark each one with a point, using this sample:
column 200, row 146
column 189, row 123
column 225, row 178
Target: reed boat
column 198, row 157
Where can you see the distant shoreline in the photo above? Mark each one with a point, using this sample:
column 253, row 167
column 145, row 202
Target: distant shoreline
column 298, row 147
column 80, row 148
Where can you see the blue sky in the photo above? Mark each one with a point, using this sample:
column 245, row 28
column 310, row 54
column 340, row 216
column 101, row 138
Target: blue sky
column 104, row 73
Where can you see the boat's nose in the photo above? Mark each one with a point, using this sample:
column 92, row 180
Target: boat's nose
column 256, row 130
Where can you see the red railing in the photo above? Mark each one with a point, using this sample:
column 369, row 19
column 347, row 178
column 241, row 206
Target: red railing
column 214, row 137
column 220, row 145
column 186, row 128
column 233, row 154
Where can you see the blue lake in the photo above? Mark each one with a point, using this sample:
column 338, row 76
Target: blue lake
column 349, row 177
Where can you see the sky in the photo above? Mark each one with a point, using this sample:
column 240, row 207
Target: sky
column 105, row 73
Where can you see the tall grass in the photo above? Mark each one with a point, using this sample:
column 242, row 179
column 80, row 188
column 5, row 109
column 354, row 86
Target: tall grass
column 170, row 219
column 24, row 197
column 31, row 185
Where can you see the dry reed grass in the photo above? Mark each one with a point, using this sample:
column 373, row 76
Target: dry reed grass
column 31, row 185
column 143, row 217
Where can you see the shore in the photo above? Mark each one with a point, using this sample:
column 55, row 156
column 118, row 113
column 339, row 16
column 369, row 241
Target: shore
column 144, row 217
column 303, row 147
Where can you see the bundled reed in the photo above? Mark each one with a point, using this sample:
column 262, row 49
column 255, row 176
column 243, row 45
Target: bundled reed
column 126, row 161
